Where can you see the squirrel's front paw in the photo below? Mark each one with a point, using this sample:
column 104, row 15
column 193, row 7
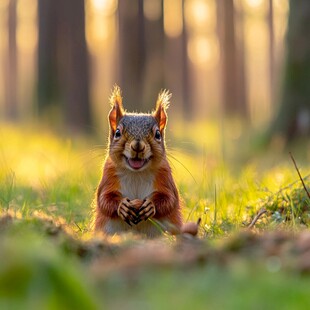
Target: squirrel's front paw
column 127, row 212
column 147, row 210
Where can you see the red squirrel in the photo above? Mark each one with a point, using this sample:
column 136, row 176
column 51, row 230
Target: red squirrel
column 137, row 183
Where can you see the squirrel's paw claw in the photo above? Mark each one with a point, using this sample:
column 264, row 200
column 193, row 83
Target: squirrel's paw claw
column 147, row 210
column 126, row 213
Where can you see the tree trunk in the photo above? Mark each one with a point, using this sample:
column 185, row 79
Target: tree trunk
column 154, row 67
column 63, row 78
column 177, row 69
column 187, row 108
column 11, row 107
column 293, row 119
column 271, row 50
column 232, row 61
column 75, row 67
column 131, row 52
column 48, row 85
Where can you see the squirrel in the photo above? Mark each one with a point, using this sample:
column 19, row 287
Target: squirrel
column 137, row 183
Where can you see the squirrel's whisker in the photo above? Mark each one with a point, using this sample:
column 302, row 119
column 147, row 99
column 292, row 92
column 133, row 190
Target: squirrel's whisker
column 178, row 161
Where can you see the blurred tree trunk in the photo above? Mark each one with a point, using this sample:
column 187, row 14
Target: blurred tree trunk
column 241, row 63
column 132, row 60
column 177, row 69
column 48, row 82
column 293, row 119
column 187, row 109
column 11, row 107
column 271, row 50
column 76, row 69
column 232, row 60
column 154, row 49
column 63, row 62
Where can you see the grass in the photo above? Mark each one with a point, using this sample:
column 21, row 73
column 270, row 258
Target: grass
column 50, row 258
column 213, row 288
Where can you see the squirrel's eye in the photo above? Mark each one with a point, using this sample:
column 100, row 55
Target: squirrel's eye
column 157, row 135
column 117, row 134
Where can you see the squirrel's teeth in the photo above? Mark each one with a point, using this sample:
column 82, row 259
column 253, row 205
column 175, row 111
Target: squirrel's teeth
column 136, row 163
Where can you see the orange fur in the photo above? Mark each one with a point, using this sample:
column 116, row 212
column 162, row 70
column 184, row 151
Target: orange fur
column 166, row 196
column 153, row 185
column 108, row 195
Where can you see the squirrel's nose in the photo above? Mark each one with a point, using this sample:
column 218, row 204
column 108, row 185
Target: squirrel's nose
column 138, row 146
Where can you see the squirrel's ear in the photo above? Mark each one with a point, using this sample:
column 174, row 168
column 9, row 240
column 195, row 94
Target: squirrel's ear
column 117, row 111
column 162, row 105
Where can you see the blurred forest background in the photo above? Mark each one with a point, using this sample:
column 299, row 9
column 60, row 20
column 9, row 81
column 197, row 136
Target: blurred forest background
column 239, row 71
column 60, row 59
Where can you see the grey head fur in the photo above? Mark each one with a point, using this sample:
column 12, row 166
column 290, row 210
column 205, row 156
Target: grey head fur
column 138, row 125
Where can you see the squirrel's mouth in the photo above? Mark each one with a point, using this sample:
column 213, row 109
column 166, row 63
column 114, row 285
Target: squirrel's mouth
column 136, row 163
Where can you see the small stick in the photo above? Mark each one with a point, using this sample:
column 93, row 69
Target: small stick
column 301, row 179
column 77, row 225
column 257, row 216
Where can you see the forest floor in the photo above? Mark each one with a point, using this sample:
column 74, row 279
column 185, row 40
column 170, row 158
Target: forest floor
column 50, row 257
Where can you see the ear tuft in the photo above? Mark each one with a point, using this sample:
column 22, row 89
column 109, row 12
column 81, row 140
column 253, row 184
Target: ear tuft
column 117, row 111
column 163, row 99
column 162, row 105
column 116, row 97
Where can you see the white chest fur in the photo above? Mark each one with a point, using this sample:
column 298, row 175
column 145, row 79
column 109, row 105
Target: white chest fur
column 136, row 185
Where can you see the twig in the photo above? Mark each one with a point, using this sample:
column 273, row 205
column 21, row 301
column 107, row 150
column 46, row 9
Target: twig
column 257, row 216
column 301, row 179
column 77, row 225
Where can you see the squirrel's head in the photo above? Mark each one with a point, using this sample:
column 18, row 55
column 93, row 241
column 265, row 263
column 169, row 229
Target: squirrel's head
column 136, row 139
